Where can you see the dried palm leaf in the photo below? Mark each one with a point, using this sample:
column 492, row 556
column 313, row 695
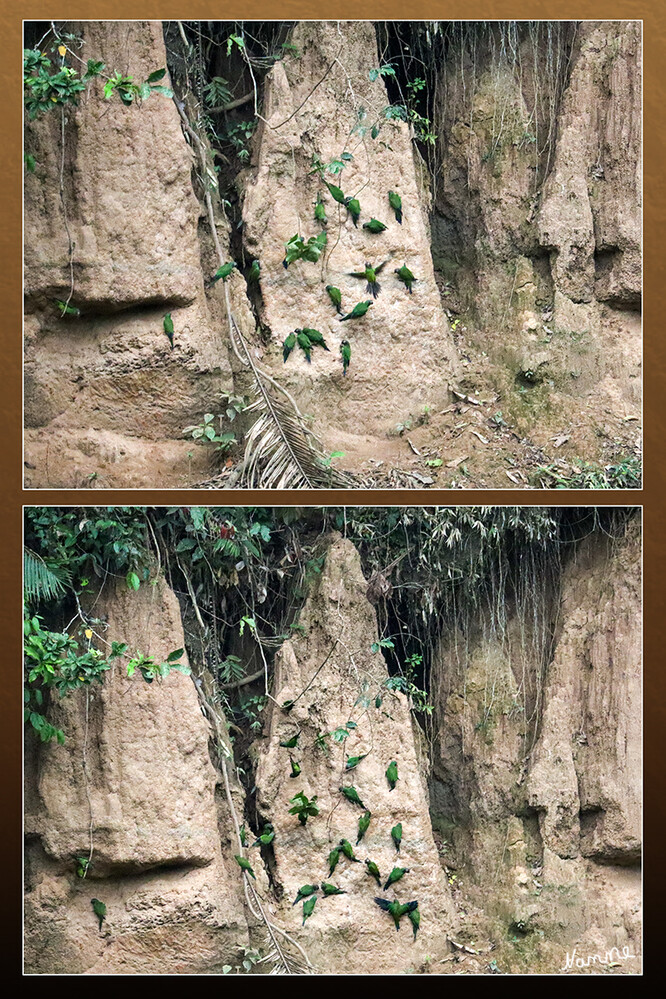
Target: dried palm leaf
column 280, row 451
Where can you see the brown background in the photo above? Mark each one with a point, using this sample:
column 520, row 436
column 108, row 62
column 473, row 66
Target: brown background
column 11, row 468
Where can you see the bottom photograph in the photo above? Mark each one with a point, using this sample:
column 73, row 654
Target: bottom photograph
column 332, row 740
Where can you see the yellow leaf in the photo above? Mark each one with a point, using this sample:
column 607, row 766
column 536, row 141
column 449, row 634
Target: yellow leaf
column 62, row 50
column 88, row 633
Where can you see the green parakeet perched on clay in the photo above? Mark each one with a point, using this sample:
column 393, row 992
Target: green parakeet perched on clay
column 345, row 354
column 373, row 871
column 353, row 761
column 395, row 875
column 291, row 743
column 363, row 824
column 304, row 892
column 304, row 342
column 351, row 794
column 335, row 193
column 414, row 916
column 295, row 769
column 354, row 208
column 267, row 836
column 255, row 271
column 395, row 202
column 396, row 835
column 244, row 865
column 99, row 909
column 392, row 774
column 333, row 859
column 287, row 348
column 315, row 337
column 223, row 272
column 329, row 889
column 167, row 323
column 348, row 850
column 335, row 296
column 369, row 274
column 406, row 276
column 320, row 211
column 308, row 907
column 374, row 226
column 357, row 312
column 396, row 909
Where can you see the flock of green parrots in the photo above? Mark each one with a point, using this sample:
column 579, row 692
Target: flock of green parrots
column 307, row 338
column 308, row 893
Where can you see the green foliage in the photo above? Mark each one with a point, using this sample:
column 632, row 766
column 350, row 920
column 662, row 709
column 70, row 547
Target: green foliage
column 128, row 91
column 249, row 711
column 205, row 432
column 216, row 92
column 239, row 136
column 304, row 807
column 44, row 89
column 248, row 961
column 581, row 474
column 56, row 661
column 42, row 580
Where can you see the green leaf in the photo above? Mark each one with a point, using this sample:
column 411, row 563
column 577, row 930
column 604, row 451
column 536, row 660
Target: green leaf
column 373, row 74
column 176, row 654
column 133, row 581
column 30, row 162
column 165, row 91
column 156, row 75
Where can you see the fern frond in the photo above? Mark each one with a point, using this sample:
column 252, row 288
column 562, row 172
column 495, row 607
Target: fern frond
column 42, row 581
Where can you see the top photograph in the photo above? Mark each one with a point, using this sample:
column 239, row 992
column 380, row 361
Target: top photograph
column 332, row 254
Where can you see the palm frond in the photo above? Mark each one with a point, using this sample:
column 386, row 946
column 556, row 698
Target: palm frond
column 42, row 581
column 280, row 451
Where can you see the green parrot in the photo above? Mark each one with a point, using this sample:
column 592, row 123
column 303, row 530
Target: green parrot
column 395, row 201
column 396, row 909
column 315, row 337
column 223, row 272
column 293, row 742
column 243, row 835
column 335, row 296
column 374, row 226
column 303, row 341
column 308, row 907
column 345, row 352
column 363, row 824
column 244, row 865
column 304, row 892
column 67, row 310
column 333, row 859
column 353, row 761
column 373, row 871
column 354, row 208
column 396, row 835
column 395, row 875
column 336, row 193
column 255, row 271
column 329, row 889
column 414, row 916
column 99, row 909
column 167, row 322
column 406, row 276
column 351, row 794
column 320, row 211
column 370, row 275
column 287, row 348
column 392, row 774
column 359, row 310
column 295, row 768
column 348, row 850
column 267, row 836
